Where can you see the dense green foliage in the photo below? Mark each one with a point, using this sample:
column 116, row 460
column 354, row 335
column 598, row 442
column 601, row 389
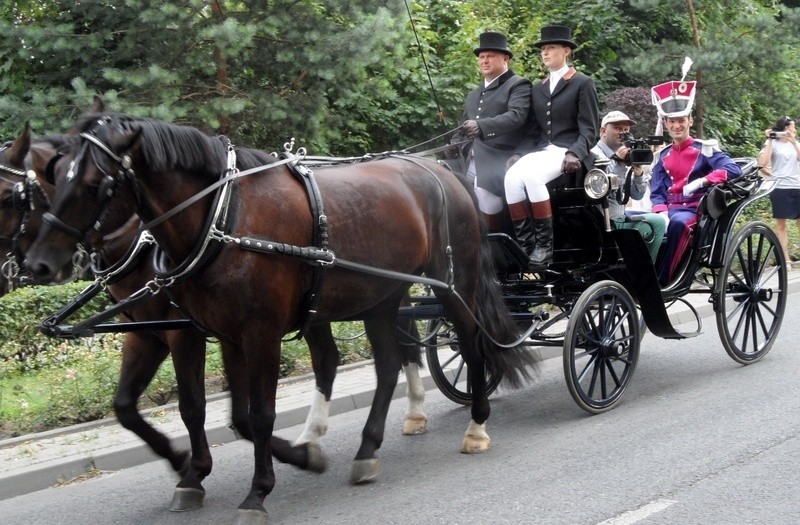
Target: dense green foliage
column 22, row 344
column 47, row 382
column 349, row 77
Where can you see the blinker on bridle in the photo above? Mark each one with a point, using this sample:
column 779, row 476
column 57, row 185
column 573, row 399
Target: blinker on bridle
column 105, row 189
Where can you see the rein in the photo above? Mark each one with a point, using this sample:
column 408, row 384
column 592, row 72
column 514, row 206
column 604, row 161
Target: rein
column 215, row 233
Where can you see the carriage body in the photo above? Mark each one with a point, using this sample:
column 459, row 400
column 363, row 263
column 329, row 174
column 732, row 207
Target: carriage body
column 601, row 291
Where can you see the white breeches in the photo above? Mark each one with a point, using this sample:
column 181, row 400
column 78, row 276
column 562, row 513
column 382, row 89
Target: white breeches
column 532, row 172
column 488, row 202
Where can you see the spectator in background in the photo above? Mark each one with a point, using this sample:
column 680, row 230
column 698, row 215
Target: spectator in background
column 780, row 160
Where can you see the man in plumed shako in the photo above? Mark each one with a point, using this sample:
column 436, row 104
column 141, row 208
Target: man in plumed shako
column 494, row 118
column 683, row 171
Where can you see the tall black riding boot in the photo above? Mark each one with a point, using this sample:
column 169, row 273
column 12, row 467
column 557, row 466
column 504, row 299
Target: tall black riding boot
column 542, row 254
column 523, row 231
column 523, row 228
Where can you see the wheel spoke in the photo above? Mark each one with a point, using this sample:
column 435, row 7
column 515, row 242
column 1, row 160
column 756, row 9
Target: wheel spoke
column 618, row 326
column 456, row 354
column 603, row 384
column 762, row 321
column 613, row 373
column 592, row 358
column 593, row 382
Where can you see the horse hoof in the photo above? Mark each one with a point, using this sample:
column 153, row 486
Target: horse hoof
column 251, row 517
column 364, row 470
column 474, row 444
column 186, row 499
column 316, row 458
column 414, row 425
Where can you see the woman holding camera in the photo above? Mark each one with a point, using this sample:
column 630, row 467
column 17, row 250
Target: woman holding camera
column 779, row 160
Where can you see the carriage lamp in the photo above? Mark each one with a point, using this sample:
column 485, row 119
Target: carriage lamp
column 596, row 184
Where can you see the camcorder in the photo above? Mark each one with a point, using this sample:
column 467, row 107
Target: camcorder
column 641, row 154
column 777, row 134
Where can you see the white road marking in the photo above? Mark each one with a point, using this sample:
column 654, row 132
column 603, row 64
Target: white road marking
column 633, row 516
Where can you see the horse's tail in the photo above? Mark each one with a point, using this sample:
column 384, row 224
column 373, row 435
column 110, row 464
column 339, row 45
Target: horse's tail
column 517, row 364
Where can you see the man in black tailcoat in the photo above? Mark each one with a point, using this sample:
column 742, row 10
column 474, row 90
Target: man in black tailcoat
column 494, row 118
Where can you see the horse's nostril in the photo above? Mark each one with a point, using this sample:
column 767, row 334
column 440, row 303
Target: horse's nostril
column 39, row 270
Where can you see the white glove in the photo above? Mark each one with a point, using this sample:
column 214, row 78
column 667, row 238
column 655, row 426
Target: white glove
column 693, row 187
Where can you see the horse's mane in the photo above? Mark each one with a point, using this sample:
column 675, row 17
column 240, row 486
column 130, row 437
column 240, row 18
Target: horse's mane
column 60, row 143
column 251, row 158
column 167, row 147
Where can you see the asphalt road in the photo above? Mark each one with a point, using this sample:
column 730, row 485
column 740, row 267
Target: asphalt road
column 697, row 439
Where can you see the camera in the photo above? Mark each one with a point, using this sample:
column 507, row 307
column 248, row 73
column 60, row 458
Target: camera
column 641, row 154
column 777, row 134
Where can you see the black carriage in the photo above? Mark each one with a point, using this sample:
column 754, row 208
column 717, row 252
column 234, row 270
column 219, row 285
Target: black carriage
column 601, row 292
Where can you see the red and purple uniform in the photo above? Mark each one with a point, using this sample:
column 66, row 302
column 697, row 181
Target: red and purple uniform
column 678, row 165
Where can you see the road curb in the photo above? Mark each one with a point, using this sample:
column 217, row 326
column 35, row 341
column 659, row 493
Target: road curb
column 30, row 478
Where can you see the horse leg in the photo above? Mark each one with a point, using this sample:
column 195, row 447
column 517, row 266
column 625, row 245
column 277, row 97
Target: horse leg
column 188, row 357
column 415, row 420
column 475, row 438
column 382, row 333
column 236, row 370
column 263, row 366
column 306, row 452
column 306, row 457
column 324, row 360
column 142, row 354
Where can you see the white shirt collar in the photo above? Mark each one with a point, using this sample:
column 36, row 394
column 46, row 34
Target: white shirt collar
column 487, row 82
column 557, row 75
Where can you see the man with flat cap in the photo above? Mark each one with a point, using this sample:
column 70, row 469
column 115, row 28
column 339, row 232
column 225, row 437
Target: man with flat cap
column 494, row 118
column 563, row 127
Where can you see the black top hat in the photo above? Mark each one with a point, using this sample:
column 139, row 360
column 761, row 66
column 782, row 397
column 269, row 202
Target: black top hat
column 491, row 41
column 556, row 35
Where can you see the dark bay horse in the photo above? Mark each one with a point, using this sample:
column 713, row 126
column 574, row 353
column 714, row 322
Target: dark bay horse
column 22, row 199
column 144, row 351
column 398, row 214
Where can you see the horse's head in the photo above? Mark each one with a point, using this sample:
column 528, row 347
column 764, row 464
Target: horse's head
column 90, row 181
column 24, row 193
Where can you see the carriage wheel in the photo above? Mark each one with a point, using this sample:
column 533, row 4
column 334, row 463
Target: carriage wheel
column 751, row 293
column 601, row 346
column 447, row 367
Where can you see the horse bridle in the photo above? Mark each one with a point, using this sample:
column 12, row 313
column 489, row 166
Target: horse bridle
column 22, row 192
column 105, row 190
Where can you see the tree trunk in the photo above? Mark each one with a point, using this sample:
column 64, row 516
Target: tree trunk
column 222, row 70
column 698, row 103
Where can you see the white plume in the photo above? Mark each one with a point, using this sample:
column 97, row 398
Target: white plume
column 687, row 64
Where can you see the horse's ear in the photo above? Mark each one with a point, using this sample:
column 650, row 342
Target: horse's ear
column 98, row 106
column 43, row 158
column 20, row 147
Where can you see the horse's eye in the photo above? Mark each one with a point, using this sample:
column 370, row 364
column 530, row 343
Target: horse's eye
column 7, row 202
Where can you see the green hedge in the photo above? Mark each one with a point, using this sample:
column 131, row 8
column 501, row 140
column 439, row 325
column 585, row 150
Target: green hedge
column 50, row 382
column 21, row 313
